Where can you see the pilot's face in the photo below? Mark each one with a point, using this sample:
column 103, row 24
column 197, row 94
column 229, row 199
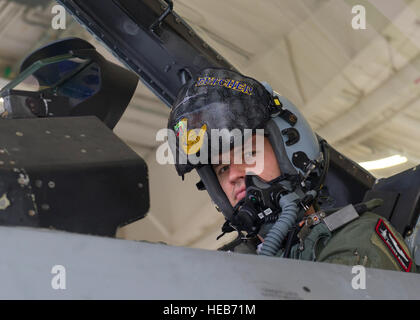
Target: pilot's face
column 232, row 176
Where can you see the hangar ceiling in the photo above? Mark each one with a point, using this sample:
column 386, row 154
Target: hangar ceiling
column 359, row 89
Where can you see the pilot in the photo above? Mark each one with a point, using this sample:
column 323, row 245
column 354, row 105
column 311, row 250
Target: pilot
column 264, row 169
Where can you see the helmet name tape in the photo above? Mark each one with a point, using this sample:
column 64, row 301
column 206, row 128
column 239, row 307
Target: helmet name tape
column 227, row 83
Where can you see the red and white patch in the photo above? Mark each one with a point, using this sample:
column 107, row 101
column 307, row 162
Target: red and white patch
column 393, row 245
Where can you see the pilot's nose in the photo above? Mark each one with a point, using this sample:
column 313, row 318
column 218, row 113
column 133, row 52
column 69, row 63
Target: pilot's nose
column 236, row 171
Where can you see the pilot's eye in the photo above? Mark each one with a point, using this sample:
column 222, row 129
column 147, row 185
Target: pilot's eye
column 250, row 154
column 222, row 170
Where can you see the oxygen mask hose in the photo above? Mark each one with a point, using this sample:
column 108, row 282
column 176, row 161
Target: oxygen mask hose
column 279, row 230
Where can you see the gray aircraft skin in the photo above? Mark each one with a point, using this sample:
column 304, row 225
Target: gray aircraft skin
column 91, row 267
column 40, row 263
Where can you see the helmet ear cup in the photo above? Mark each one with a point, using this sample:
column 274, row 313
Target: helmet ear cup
column 295, row 145
column 277, row 143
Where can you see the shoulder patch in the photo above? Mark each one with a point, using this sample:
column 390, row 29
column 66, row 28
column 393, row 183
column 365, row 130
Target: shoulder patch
column 393, row 245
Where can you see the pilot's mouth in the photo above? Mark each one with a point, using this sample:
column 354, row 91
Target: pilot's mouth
column 240, row 194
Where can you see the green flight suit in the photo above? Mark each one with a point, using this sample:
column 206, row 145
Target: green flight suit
column 359, row 242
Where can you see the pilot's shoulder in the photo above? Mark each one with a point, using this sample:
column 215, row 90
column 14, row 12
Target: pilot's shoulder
column 370, row 241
